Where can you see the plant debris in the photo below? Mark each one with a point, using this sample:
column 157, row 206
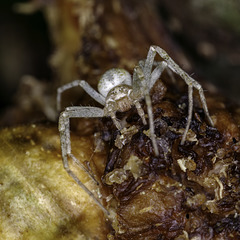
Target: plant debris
column 188, row 191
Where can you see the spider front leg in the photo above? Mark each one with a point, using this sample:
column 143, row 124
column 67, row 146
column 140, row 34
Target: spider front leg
column 64, row 129
column 142, row 84
column 151, row 77
column 188, row 80
column 79, row 83
column 141, row 87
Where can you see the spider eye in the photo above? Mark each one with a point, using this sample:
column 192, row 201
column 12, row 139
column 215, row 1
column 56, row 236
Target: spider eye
column 113, row 78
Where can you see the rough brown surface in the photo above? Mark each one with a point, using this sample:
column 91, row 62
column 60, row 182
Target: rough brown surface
column 190, row 191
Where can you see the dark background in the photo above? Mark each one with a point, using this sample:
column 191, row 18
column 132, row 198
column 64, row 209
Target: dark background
column 24, row 49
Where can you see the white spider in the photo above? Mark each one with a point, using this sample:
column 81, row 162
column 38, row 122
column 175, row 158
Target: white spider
column 117, row 91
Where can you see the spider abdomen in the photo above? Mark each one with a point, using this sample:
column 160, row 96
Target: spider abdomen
column 113, row 78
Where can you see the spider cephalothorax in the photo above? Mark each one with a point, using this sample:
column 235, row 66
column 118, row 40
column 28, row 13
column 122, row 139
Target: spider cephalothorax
column 118, row 99
column 118, row 92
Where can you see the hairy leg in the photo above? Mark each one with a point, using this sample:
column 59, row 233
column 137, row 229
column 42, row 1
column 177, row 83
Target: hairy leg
column 64, row 129
column 141, row 89
column 190, row 110
column 79, row 83
column 140, row 111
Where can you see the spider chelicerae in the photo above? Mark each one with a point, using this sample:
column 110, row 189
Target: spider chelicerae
column 118, row 91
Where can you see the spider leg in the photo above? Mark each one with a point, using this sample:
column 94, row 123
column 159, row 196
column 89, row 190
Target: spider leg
column 156, row 73
column 190, row 109
column 143, row 82
column 115, row 121
column 188, row 80
column 140, row 89
column 140, row 111
column 79, row 83
column 64, row 129
column 160, row 67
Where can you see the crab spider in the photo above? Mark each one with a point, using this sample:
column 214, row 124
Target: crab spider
column 117, row 91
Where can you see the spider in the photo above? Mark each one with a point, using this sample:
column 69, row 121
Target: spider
column 117, row 91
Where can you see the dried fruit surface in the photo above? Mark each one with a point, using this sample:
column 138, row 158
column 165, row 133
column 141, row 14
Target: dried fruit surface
column 189, row 190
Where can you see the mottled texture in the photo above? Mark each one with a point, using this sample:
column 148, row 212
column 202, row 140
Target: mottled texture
column 38, row 200
column 190, row 190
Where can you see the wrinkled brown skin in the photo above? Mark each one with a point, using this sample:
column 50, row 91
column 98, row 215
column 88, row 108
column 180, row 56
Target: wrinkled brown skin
column 164, row 200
